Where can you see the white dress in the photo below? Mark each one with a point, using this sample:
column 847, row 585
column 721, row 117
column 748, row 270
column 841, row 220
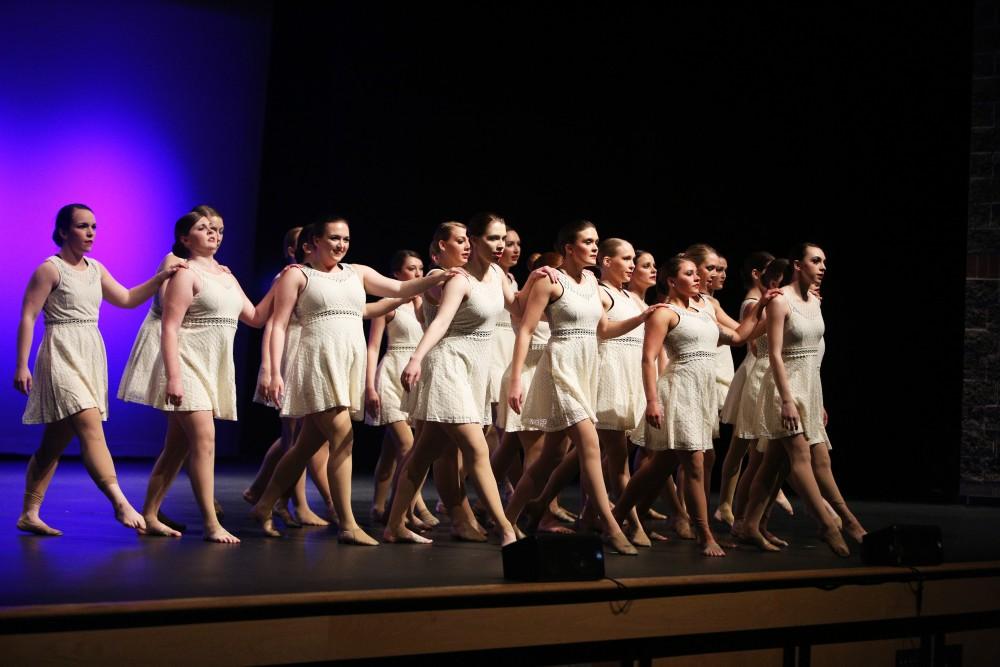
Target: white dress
column 507, row 419
column 731, row 404
column 803, row 335
column 404, row 333
column 455, row 374
column 71, row 366
column 686, row 389
column 724, row 369
column 501, row 350
column 563, row 390
column 205, row 351
column 621, row 401
column 328, row 367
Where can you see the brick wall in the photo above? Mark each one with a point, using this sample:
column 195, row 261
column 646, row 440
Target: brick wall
column 980, row 458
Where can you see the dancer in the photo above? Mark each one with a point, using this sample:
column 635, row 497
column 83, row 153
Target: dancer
column 789, row 407
column 193, row 376
column 450, row 379
column 502, row 345
column 563, row 391
column 384, row 393
column 68, row 388
column 681, row 403
column 325, row 380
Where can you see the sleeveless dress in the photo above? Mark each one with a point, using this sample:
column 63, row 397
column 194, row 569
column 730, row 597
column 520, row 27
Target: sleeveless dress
column 134, row 383
column 501, row 350
column 404, row 333
column 292, row 332
column 621, row 401
column 205, row 349
column 724, row 370
column 455, row 374
column 731, row 404
column 803, row 334
column 507, row 419
column 328, row 367
column 563, row 390
column 686, row 389
column 746, row 425
column 71, row 367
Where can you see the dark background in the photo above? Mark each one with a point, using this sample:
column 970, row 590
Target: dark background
column 745, row 128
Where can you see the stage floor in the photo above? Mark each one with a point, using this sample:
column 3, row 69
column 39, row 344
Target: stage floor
column 97, row 560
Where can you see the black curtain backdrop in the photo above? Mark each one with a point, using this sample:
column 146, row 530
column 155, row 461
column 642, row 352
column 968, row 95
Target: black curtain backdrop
column 745, row 128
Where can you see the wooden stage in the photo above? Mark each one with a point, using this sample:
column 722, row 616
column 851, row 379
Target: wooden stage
column 100, row 594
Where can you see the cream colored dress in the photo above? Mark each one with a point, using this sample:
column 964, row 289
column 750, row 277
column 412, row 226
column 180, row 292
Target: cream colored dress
column 686, row 389
column 328, row 368
column 563, row 390
column 731, row 404
column 134, row 383
column 71, row 366
column 803, row 335
column 501, row 350
column 455, row 374
column 507, row 419
column 205, row 351
column 292, row 332
column 404, row 333
column 621, row 401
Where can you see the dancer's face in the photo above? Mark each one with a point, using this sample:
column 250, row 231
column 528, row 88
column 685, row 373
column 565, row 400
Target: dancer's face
column 584, row 247
column 219, row 226
column 330, row 248
column 83, row 229
column 618, row 269
column 644, row 275
column 202, row 240
column 412, row 269
column 511, row 250
column 720, row 273
column 812, row 267
column 708, row 269
column 687, row 282
column 491, row 244
column 455, row 251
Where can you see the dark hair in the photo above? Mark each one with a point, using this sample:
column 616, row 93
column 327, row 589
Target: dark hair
column 568, row 233
column 798, row 251
column 290, row 240
column 64, row 220
column 206, row 211
column 480, row 221
column 699, row 252
column 549, row 258
column 312, row 232
column 670, row 269
column 182, row 228
column 399, row 259
column 778, row 269
column 755, row 261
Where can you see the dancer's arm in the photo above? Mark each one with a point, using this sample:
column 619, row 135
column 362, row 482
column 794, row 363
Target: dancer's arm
column 381, row 308
column 451, row 298
column 608, row 329
column 777, row 311
column 256, row 316
column 542, row 292
column 286, row 292
column 265, row 360
column 751, row 327
column 379, row 285
column 517, row 303
column 177, row 299
column 372, row 400
column 40, row 285
column 657, row 326
column 123, row 297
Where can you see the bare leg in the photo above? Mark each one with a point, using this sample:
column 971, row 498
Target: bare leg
column 303, row 513
column 429, row 447
column 694, row 488
column 730, row 479
column 41, row 468
column 175, row 441
column 655, row 467
column 271, row 458
column 316, row 467
column 385, row 469
column 709, row 464
column 97, row 460
column 823, row 470
column 165, row 470
column 336, row 427
column 475, row 454
column 199, row 427
column 536, row 474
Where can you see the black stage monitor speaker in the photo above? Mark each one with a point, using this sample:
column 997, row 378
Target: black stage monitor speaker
column 546, row 557
column 901, row 544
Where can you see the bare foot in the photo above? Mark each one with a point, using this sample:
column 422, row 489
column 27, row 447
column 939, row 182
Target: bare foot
column 754, row 538
column 307, row 517
column 169, row 523
column 128, row 517
column 156, row 528
column 249, row 497
column 377, row 515
column 783, row 502
column 550, row 524
column 620, row 544
column 833, row 514
column 508, row 535
column 682, row 526
column 357, row 537
column 658, row 537
column 403, row 536
column 266, row 522
column 220, row 535
column 218, row 512
column 637, row 535
column 34, row 524
column 653, row 515
column 464, row 532
column 724, row 513
column 836, row 542
column 856, row 531
column 286, row 517
column 414, row 523
column 712, row 548
column 427, row 517
column 736, row 528
column 772, row 538
column 563, row 514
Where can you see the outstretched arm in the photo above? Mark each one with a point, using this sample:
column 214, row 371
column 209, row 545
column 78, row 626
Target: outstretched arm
column 118, row 295
column 379, row 285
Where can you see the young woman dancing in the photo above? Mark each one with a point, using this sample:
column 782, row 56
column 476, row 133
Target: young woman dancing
column 68, row 389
